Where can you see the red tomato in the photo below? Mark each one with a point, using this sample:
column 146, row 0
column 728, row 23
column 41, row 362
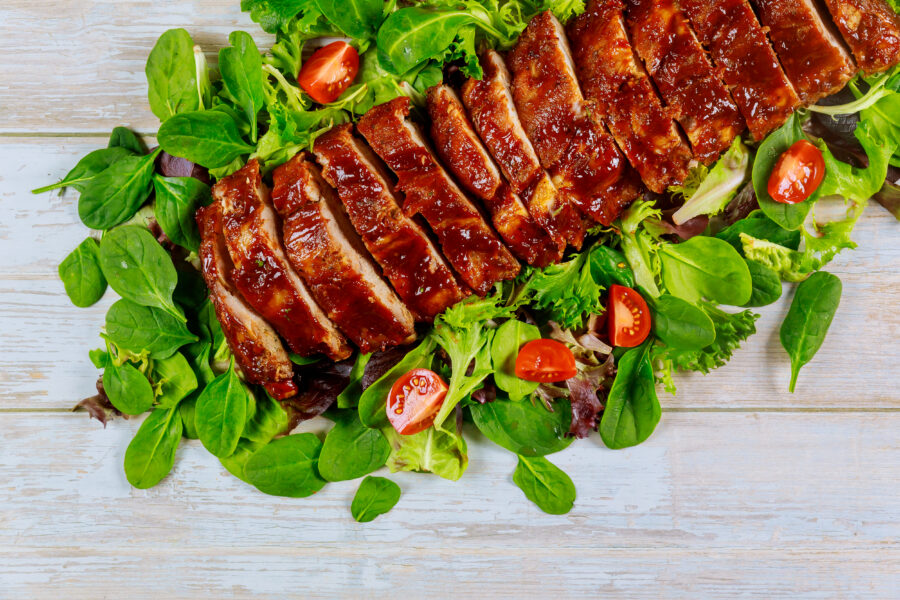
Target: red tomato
column 629, row 317
column 414, row 401
column 545, row 361
column 329, row 71
column 797, row 173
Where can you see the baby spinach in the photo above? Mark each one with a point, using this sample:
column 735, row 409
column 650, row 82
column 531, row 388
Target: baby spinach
column 177, row 199
column 358, row 19
column 766, row 285
column 188, row 409
column 412, row 35
column 127, row 388
column 151, row 453
column 545, row 484
column 761, row 227
column 351, row 449
column 632, row 409
column 171, row 75
column 115, row 194
column 375, row 496
column 242, row 75
column 680, row 324
column 508, row 339
column 139, row 269
column 222, row 413
column 209, row 138
column 268, row 420
column 122, row 137
column 608, row 266
column 81, row 274
column 373, row 401
column 705, row 267
column 525, row 428
column 138, row 328
column 287, row 467
column 88, row 168
column 806, row 324
column 349, row 398
column 175, row 379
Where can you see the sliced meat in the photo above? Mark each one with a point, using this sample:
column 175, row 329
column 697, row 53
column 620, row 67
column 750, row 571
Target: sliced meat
column 490, row 105
column 617, row 83
column 872, row 30
column 262, row 272
column 410, row 260
column 741, row 51
column 459, row 148
column 323, row 246
column 254, row 343
column 581, row 157
column 809, row 47
column 684, row 75
column 466, row 239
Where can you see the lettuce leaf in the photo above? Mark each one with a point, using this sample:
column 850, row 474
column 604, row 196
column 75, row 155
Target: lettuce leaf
column 717, row 187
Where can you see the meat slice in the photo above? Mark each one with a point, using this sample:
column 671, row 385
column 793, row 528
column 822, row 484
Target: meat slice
column 466, row 239
column 740, row 49
column 684, row 75
column 872, row 30
column 490, row 105
column 254, row 343
column 462, row 152
column 616, row 82
column 262, row 272
column 410, row 260
column 322, row 245
column 810, row 49
column 581, row 157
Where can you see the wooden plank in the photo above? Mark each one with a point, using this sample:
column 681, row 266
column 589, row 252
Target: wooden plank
column 713, row 505
column 79, row 66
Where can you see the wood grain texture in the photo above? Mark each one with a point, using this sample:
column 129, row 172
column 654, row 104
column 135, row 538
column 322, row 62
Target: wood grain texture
column 714, row 506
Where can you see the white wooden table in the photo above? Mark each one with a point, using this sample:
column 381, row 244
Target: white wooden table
column 743, row 491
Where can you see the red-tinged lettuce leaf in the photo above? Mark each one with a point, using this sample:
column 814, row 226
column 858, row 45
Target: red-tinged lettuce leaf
column 381, row 363
column 174, row 166
column 99, row 407
column 320, row 384
column 587, row 392
column 889, row 196
column 741, row 205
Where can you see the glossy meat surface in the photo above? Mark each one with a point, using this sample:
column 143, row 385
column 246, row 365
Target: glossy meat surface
column 321, row 244
column 872, row 31
column 458, row 146
column 581, row 157
column 810, row 49
column 493, row 112
column 409, row 259
column 262, row 272
column 748, row 64
column 684, row 75
column 617, row 84
column 255, row 345
column 466, row 239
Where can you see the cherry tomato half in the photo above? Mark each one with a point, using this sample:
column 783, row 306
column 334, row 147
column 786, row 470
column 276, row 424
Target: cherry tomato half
column 629, row 317
column 415, row 400
column 797, row 173
column 545, row 361
column 329, row 71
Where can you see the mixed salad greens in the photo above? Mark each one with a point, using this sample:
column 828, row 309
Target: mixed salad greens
column 701, row 257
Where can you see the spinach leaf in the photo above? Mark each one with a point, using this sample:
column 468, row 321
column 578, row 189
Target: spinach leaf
column 632, row 409
column 99, row 358
column 759, row 226
column 608, row 266
column 351, row 449
column 358, row 19
column 508, row 339
column 127, row 388
column 242, row 74
column 88, row 168
column 269, row 420
column 705, row 267
column 177, row 200
column 209, row 138
column 222, row 413
column 122, row 137
column 373, row 401
column 812, row 310
column 188, row 409
column 349, row 398
column 151, row 453
column 545, row 484
column 412, row 35
column 115, row 194
column 139, row 328
column 175, row 378
column 81, row 275
column 439, row 451
column 172, row 77
column 375, row 496
column 287, row 467
column 680, row 324
column 139, row 269
column 766, row 285
column 525, row 428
